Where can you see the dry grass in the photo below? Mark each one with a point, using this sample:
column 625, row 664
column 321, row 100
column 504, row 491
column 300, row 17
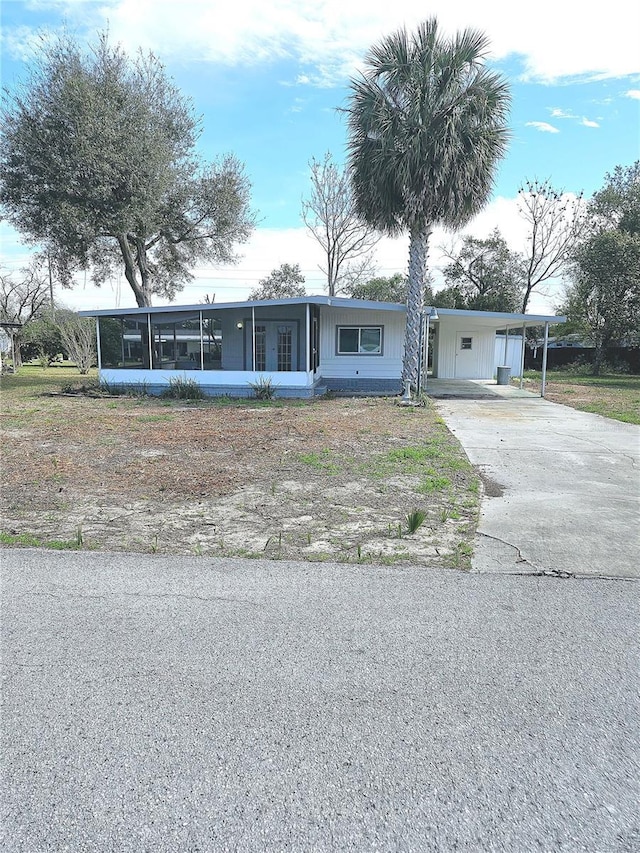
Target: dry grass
column 317, row 480
column 614, row 396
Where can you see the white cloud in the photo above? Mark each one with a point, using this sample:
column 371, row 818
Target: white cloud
column 542, row 126
column 633, row 93
column 556, row 112
column 329, row 36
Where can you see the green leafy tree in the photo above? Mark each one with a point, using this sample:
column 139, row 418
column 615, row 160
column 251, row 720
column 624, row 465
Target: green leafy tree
column 603, row 300
column 484, row 275
column 285, row 282
column 41, row 339
column 617, row 204
column 382, row 289
column 387, row 289
column 427, row 126
column 99, row 167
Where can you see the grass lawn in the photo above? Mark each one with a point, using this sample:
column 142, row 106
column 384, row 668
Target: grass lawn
column 341, row 480
column 613, row 395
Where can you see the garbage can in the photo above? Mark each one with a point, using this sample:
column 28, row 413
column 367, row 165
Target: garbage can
column 504, row 375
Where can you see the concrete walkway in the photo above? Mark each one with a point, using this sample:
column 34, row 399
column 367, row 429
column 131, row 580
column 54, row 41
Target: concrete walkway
column 562, row 487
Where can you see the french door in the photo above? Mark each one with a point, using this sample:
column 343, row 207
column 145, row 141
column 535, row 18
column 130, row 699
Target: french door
column 276, row 346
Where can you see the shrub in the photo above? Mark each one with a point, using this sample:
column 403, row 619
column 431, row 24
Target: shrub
column 181, row 388
column 79, row 338
column 614, row 365
column 583, row 366
column 579, row 367
column 263, row 388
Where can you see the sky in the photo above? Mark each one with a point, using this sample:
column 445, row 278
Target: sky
column 269, row 78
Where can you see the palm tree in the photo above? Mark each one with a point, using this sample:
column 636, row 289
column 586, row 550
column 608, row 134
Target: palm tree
column 427, row 126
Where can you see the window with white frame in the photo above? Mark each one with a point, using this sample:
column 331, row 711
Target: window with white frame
column 466, row 343
column 359, row 340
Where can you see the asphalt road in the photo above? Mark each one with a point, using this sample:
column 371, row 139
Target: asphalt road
column 186, row 704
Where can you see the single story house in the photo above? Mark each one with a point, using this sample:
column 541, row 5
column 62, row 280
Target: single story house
column 305, row 346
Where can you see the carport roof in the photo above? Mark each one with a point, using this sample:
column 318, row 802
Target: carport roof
column 496, row 319
column 499, row 319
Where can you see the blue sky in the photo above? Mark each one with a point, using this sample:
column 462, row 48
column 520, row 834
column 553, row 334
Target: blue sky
column 268, row 77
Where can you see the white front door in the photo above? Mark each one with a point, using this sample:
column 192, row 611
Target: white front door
column 466, row 355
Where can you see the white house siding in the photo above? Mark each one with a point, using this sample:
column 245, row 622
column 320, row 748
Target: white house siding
column 480, row 364
column 366, row 372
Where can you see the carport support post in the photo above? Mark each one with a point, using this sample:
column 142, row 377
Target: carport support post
column 524, row 330
column 506, row 345
column 544, row 360
column 202, row 342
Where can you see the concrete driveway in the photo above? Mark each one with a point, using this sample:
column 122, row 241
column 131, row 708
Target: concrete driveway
column 562, row 487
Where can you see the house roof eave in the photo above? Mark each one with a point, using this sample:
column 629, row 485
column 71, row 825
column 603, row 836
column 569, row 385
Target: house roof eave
column 327, row 301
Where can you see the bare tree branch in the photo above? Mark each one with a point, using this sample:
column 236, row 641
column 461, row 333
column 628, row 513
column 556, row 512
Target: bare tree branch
column 556, row 221
column 329, row 214
column 22, row 296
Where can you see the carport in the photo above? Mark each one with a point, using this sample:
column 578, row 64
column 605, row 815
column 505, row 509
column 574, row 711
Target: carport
column 463, row 346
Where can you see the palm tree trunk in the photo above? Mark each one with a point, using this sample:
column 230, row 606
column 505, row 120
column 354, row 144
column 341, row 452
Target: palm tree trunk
column 418, row 250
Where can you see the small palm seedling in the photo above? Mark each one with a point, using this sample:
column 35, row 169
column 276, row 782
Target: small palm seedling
column 415, row 520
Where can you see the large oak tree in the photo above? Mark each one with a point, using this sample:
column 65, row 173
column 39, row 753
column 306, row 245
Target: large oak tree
column 99, row 166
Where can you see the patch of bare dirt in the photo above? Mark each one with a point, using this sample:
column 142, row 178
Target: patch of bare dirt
column 326, row 479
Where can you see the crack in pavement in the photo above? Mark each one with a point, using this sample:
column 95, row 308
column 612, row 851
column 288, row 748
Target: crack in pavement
column 520, row 559
column 539, row 572
column 600, row 447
